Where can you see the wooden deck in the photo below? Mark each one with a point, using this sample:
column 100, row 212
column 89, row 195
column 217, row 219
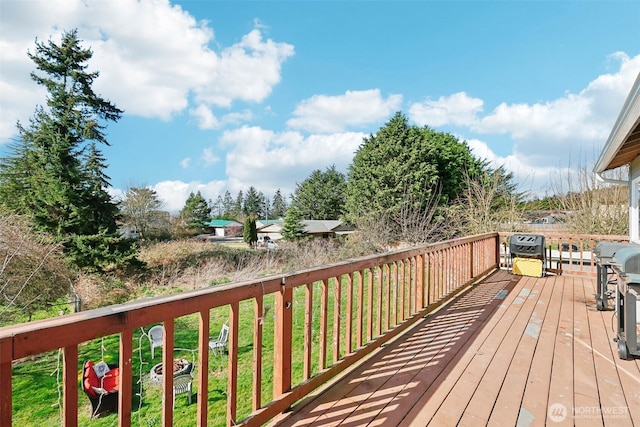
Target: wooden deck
column 513, row 351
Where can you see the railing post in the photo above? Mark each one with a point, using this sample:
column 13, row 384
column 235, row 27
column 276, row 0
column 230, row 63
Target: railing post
column 126, row 378
column 283, row 341
column 6, row 359
column 203, row 366
column 70, row 386
column 167, row 370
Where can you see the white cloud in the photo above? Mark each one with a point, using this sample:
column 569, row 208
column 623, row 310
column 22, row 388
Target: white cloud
column 174, row 193
column 586, row 116
column 571, row 125
column 116, row 193
column 271, row 160
column 205, row 117
column 457, row 109
column 531, row 180
column 543, row 136
column 237, row 117
column 247, row 71
column 185, row 162
column 558, row 120
column 152, row 57
column 327, row 114
column 209, row 157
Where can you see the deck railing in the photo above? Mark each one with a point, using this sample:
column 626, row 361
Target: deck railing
column 350, row 309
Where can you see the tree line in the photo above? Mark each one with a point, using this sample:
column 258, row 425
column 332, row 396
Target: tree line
column 142, row 208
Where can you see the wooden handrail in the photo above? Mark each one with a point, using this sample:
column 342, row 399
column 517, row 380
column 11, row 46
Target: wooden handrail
column 367, row 300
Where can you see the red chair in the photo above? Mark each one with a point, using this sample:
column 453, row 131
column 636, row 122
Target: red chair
column 101, row 384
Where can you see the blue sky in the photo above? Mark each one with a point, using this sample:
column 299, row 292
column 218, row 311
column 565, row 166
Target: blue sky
column 223, row 95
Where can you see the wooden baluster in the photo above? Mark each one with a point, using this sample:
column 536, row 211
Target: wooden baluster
column 126, row 377
column 308, row 331
column 258, row 315
column 70, row 386
column 232, row 380
column 322, row 351
column 283, row 340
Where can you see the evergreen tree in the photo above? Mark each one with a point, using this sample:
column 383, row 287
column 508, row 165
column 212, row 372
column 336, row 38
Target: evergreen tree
column 55, row 172
column 238, row 206
column 252, row 202
column 265, row 206
column 278, row 206
column 403, row 162
column 250, row 231
column 97, row 181
column 217, row 209
column 196, row 212
column 322, row 195
column 293, row 228
column 228, row 206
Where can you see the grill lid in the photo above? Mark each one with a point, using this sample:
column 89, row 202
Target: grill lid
column 628, row 259
column 605, row 250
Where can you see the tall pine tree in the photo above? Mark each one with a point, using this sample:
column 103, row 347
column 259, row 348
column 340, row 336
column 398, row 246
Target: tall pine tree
column 252, row 202
column 54, row 173
column 278, row 206
column 196, row 212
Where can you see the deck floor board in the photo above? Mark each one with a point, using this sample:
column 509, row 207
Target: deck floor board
column 513, row 350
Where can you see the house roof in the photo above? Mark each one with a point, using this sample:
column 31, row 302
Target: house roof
column 218, row 223
column 623, row 144
column 266, row 222
column 312, row 226
column 274, row 227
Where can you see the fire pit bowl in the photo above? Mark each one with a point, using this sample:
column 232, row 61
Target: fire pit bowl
column 180, row 366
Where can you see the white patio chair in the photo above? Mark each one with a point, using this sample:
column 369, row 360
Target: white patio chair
column 155, row 335
column 219, row 345
column 182, row 384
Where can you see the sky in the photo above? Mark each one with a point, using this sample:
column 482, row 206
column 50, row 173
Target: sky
column 223, row 95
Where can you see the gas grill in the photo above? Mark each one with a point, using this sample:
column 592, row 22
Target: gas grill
column 603, row 253
column 626, row 263
column 527, row 254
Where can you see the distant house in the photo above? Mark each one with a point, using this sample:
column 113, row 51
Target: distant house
column 129, row 231
column 260, row 223
column 269, row 229
column 224, row 228
column 325, row 228
column 312, row 227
